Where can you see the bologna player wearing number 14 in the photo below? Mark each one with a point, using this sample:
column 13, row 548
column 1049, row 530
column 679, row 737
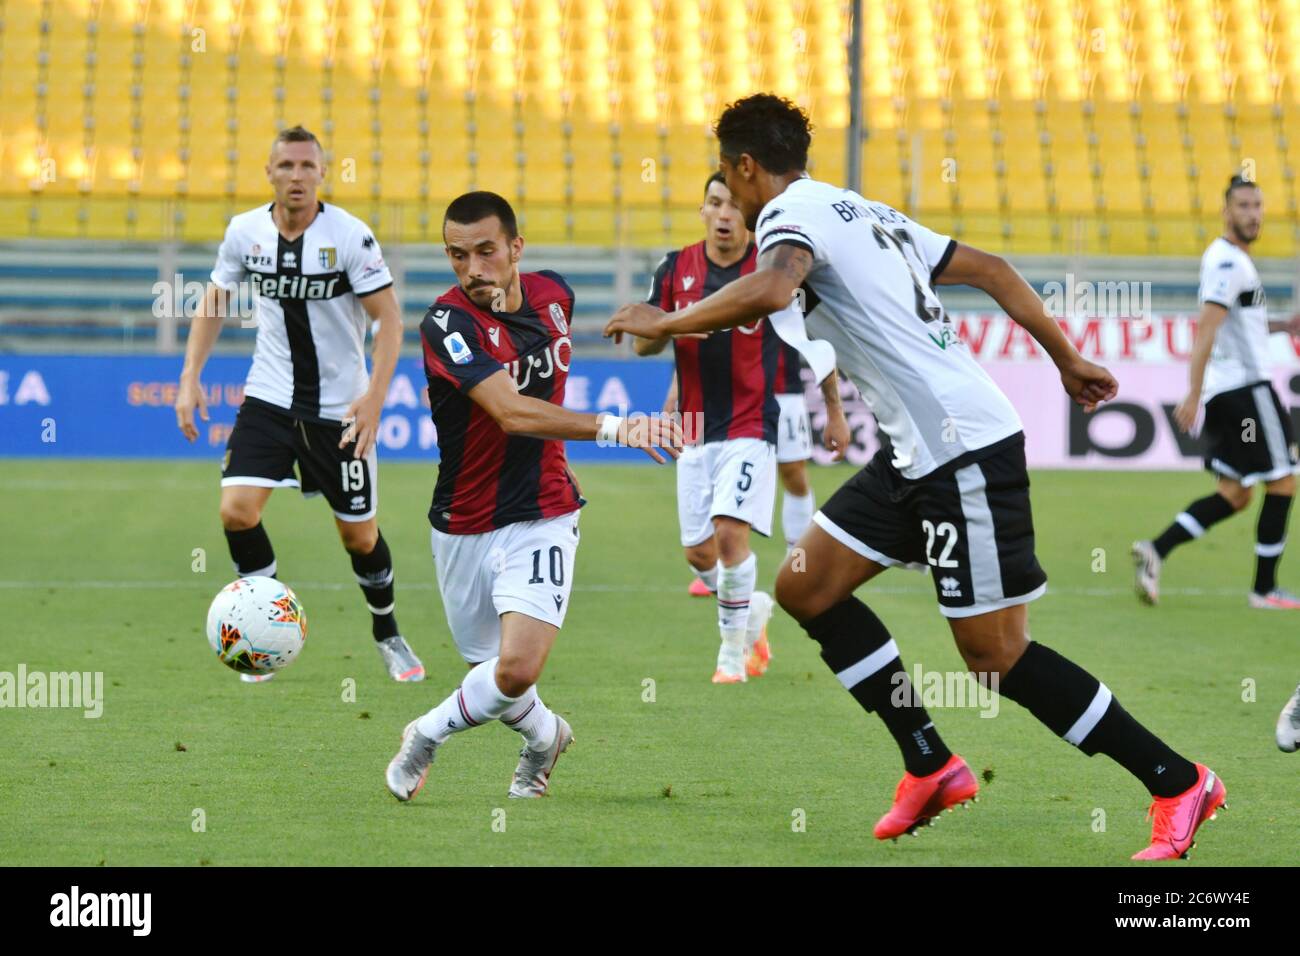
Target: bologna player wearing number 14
column 505, row 506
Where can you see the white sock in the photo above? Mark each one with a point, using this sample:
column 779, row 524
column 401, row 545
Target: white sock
column 735, row 587
column 531, row 719
column 796, row 515
column 476, row 701
column 709, row 577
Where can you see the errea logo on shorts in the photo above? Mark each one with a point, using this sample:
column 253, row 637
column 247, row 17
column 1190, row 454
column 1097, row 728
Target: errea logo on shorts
column 950, row 587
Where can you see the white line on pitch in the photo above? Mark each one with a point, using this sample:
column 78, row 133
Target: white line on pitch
column 596, row 588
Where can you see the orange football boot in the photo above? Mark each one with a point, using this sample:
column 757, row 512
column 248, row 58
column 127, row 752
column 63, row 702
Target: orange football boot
column 1174, row 820
column 918, row 800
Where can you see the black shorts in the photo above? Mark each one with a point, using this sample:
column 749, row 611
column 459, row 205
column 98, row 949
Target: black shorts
column 268, row 441
column 1247, row 435
column 969, row 523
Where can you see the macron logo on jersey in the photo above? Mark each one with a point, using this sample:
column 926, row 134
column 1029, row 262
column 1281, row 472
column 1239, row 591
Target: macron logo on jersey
column 688, row 281
column 457, row 349
column 441, row 316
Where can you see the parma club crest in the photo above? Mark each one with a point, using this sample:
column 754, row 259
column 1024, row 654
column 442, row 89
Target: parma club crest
column 329, row 257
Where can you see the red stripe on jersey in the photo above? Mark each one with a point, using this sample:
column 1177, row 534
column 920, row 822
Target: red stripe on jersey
column 500, row 479
column 728, row 378
column 753, row 378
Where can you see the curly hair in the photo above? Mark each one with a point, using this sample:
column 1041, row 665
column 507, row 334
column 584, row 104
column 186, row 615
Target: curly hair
column 770, row 128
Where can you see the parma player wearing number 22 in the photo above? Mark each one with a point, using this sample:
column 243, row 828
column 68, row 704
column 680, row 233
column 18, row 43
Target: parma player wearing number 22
column 505, row 506
column 952, row 494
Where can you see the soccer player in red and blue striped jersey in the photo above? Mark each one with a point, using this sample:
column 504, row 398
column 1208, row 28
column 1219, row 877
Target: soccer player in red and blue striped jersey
column 725, row 390
column 505, row 506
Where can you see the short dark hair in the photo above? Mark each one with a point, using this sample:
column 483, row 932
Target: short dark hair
column 716, row 177
column 297, row 134
column 478, row 205
column 770, row 128
column 1237, row 182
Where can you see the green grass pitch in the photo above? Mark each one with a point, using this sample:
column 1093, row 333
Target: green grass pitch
column 97, row 575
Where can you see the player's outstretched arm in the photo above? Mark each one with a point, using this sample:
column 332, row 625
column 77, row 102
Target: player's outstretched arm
column 363, row 414
column 524, row 415
column 1207, row 326
column 769, row 288
column 1086, row 382
column 204, row 329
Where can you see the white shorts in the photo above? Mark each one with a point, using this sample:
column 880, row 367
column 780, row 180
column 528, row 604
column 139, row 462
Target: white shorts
column 526, row 567
column 733, row 479
column 794, row 430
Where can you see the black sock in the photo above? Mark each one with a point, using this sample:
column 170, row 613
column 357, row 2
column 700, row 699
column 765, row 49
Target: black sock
column 251, row 551
column 1270, row 538
column 1066, row 698
column 375, row 575
column 1199, row 517
column 853, row 644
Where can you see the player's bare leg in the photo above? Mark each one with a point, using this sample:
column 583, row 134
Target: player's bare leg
column 797, row 504
column 1076, row 706
column 250, row 547
column 815, row 585
column 372, row 563
column 703, row 559
column 525, row 644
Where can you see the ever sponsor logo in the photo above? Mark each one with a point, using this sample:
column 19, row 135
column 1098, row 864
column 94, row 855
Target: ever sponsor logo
column 75, row 908
column 949, row 587
column 458, row 349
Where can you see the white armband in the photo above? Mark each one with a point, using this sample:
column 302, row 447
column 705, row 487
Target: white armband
column 607, row 434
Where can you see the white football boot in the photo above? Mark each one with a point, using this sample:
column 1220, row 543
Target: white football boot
column 1146, row 565
column 399, row 660
column 407, row 771
column 1288, row 724
column 533, row 775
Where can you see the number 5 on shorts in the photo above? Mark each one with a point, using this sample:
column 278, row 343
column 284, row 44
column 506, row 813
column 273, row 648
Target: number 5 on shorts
column 746, row 479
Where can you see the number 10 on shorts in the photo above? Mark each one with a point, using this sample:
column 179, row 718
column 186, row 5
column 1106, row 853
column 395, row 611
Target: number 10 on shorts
column 555, row 560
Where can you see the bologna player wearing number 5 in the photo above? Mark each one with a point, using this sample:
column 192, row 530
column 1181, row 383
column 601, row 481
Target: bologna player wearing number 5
column 317, row 272
column 505, row 507
column 954, row 496
column 725, row 388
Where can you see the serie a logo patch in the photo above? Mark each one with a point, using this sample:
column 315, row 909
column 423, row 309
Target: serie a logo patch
column 458, row 349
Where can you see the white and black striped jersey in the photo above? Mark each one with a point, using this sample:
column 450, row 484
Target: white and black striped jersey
column 869, row 294
column 309, row 357
column 1241, row 354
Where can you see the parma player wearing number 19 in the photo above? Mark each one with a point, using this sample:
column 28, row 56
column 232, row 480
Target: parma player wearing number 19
column 951, row 495
column 317, row 273
column 505, row 506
